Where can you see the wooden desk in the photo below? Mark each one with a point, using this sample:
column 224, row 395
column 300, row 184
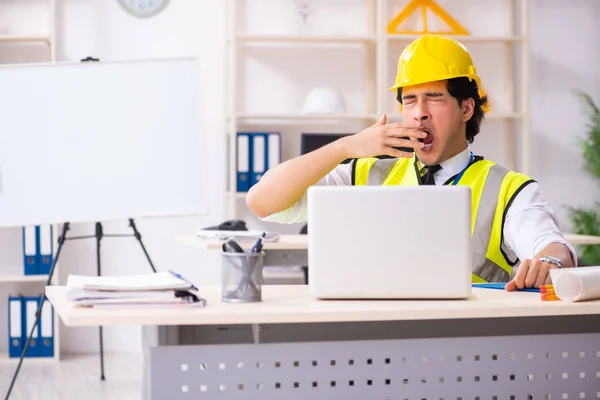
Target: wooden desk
column 289, row 250
column 292, row 346
column 300, row 242
column 581, row 239
column 293, row 304
column 285, row 242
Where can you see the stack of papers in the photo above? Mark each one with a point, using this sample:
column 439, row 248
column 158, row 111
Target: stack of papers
column 160, row 288
column 238, row 236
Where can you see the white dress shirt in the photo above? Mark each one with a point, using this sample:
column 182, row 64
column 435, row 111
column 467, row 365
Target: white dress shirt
column 530, row 223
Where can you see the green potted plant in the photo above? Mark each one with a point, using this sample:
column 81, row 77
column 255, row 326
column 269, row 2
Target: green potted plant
column 586, row 221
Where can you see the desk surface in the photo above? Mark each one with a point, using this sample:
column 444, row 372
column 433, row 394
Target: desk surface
column 300, row 242
column 293, row 304
column 581, row 239
column 285, row 242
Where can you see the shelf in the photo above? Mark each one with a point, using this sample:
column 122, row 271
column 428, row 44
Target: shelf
column 238, row 195
column 23, row 278
column 303, row 117
column 504, row 116
column 394, row 117
column 16, row 38
column 465, row 39
column 305, row 39
column 5, row 359
column 347, row 117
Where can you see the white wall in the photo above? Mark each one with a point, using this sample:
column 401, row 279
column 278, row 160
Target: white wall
column 565, row 54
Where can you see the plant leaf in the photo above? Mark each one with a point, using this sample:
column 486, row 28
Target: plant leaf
column 590, row 144
column 587, row 222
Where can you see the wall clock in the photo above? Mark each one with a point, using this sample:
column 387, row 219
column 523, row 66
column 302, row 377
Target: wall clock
column 143, row 8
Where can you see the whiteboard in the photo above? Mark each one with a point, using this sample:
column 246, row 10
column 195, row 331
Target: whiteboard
column 100, row 141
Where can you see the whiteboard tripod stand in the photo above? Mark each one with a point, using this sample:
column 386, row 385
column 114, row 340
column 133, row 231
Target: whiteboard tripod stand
column 99, row 234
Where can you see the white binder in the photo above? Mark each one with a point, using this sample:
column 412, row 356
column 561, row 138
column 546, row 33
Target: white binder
column 274, row 146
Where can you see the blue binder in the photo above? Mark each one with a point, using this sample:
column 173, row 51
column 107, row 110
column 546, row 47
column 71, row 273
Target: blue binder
column 15, row 326
column 29, row 308
column 45, row 254
column 243, row 161
column 30, row 250
column 46, row 327
column 256, row 153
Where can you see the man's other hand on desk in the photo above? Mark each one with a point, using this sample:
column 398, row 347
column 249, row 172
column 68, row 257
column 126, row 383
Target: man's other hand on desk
column 535, row 273
column 531, row 273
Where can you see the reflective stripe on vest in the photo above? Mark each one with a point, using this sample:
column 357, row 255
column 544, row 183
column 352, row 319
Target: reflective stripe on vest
column 483, row 267
column 492, row 188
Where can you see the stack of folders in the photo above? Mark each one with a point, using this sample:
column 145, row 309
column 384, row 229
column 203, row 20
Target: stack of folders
column 38, row 251
column 256, row 153
column 21, row 318
column 165, row 288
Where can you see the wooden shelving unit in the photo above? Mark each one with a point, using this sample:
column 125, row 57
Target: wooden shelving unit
column 376, row 45
column 305, row 39
column 22, row 278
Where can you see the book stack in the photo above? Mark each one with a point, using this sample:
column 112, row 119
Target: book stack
column 165, row 288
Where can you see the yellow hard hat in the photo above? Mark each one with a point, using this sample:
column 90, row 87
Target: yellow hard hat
column 435, row 58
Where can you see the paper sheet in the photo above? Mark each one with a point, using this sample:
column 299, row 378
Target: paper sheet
column 161, row 280
column 237, row 235
column 576, row 284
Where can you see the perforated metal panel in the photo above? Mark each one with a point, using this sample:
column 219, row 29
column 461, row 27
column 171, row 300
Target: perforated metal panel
column 548, row 367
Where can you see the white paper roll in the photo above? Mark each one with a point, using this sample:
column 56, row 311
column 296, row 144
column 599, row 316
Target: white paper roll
column 576, row 284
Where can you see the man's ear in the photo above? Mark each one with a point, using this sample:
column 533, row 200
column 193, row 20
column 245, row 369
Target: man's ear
column 468, row 108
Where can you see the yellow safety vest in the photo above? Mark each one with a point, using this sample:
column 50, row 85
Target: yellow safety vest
column 493, row 189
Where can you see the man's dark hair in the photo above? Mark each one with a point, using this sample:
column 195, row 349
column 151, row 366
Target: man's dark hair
column 462, row 88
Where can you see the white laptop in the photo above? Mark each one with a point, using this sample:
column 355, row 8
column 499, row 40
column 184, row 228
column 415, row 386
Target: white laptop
column 389, row 242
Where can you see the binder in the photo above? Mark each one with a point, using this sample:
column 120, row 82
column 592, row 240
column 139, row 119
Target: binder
column 30, row 308
column 273, row 149
column 30, row 235
column 45, row 254
column 15, row 326
column 46, row 326
column 243, row 162
column 256, row 153
column 259, row 157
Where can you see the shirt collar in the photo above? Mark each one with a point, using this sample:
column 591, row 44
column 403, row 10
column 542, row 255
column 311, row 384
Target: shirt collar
column 454, row 165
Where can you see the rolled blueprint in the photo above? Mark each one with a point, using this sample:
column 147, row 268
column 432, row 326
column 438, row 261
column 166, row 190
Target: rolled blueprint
column 576, row 284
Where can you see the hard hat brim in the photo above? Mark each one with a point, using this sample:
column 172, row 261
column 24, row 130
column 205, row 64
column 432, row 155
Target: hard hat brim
column 419, row 82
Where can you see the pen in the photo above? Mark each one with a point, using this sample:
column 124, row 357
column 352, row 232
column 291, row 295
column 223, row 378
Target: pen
column 258, row 245
column 176, row 275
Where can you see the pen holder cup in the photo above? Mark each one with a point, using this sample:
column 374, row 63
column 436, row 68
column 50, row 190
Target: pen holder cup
column 242, row 277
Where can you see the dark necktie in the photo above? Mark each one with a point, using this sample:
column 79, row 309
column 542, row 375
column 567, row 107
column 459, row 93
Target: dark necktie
column 428, row 177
